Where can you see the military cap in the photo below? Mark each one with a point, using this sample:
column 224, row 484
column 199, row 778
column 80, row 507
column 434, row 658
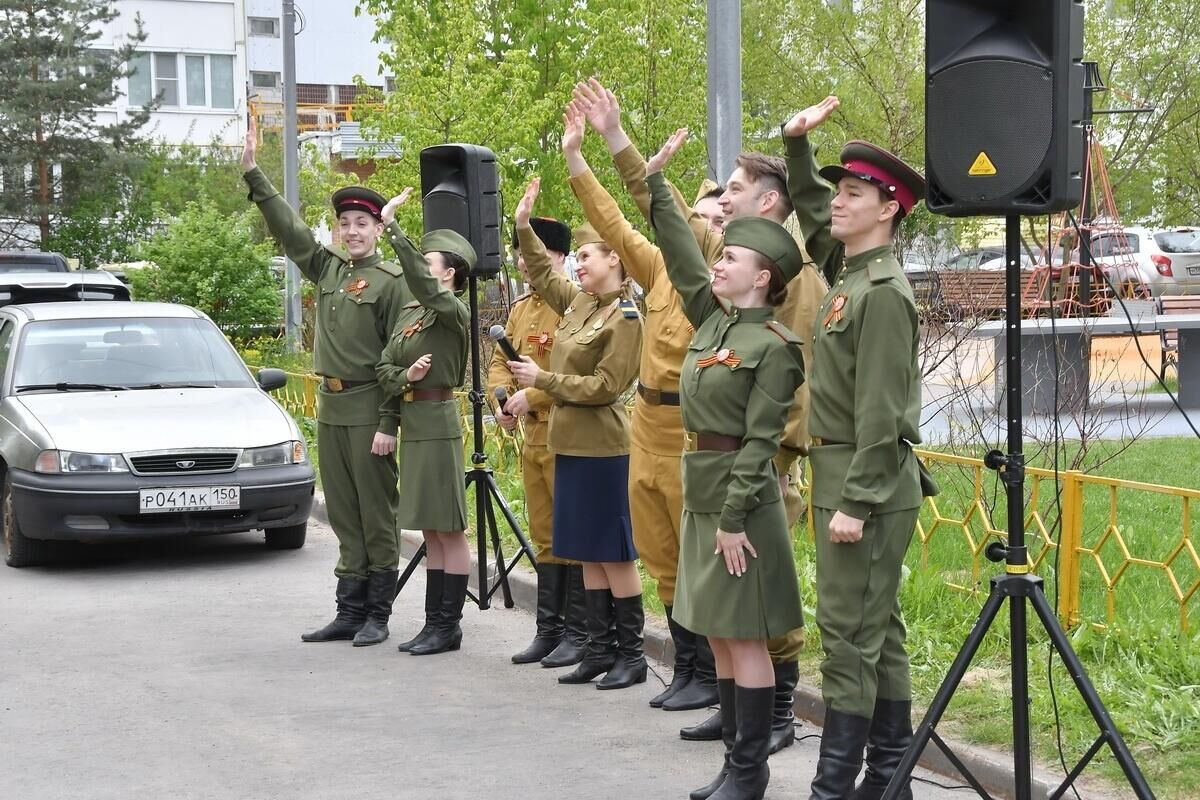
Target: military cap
column 358, row 198
column 875, row 165
column 586, row 234
column 448, row 241
column 768, row 238
column 554, row 234
column 707, row 187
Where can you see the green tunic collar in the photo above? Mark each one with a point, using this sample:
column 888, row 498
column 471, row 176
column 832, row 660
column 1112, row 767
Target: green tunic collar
column 364, row 263
column 861, row 260
column 753, row 314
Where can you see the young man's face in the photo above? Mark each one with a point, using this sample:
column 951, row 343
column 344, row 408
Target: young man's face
column 710, row 209
column 359, row 231
column 745, row 197
column 859, row 208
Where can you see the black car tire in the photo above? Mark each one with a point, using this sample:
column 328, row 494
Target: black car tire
column 289, row 538
column 19, row 549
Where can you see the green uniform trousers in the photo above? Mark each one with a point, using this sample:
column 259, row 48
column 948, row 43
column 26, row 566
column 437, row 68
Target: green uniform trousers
column 786, row 649
column 361, row 497
column 858, row 612
column 537, row 473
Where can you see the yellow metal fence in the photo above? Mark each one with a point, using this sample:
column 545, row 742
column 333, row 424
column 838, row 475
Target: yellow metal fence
column 1114, row 551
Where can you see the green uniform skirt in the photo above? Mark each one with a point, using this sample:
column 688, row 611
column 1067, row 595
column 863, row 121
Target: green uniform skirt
column 762, row 604
column 433, row 495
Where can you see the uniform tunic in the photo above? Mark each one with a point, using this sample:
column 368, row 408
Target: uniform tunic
column 866, row 394
column 739, row 380
column 798, row 312
column 432, row 473
column 358, row 303
column 655, row 480
column 531, row 328
column 597, row 347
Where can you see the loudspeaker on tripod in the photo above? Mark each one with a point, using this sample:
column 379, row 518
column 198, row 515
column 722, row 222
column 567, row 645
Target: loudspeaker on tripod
column 460, row 191
column 1003, row 106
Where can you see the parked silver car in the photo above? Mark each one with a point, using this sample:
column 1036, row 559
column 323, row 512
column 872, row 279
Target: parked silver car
column 127, row 419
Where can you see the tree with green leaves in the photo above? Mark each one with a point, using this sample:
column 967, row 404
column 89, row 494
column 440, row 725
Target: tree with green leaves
column 52, row 81
column 207, row 260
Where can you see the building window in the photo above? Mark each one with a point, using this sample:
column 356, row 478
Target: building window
column 207, row 80
column 264, row 80
column 264, row 26
column 312, row 93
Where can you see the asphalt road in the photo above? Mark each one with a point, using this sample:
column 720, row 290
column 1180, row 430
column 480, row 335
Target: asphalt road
column 175, row 670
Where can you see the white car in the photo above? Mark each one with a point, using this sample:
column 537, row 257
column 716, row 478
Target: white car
column 130, row 420
column 1168, row 260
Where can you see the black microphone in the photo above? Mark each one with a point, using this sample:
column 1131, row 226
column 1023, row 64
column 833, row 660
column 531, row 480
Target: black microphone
column 502, row 398
column 497, row 334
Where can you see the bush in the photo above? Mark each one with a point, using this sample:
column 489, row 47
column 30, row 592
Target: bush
column 206, row 260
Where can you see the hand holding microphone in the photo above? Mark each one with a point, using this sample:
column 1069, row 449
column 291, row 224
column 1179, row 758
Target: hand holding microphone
column 506, row 420
column 522, row 367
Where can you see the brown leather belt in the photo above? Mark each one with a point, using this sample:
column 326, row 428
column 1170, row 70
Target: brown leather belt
column 340, row 384
column 657, row 397
column 427, row 395
column 710, row 441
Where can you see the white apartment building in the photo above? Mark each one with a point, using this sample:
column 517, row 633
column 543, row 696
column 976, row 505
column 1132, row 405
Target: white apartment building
column 207, row 58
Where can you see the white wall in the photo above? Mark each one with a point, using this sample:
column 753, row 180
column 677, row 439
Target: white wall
column 333, row 47
column 199, row 28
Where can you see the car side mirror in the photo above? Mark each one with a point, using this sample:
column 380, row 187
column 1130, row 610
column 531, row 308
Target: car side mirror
column 271, row 379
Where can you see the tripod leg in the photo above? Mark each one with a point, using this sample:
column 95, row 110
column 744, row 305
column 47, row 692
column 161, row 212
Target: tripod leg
column 512, row 521
column 1019, row 660
column 410, row 569
column 481, row 539
column 1108, row 730
column 501, row 570
column 946, row 691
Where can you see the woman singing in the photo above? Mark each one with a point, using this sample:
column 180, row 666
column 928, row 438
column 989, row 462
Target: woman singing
column 737, row 578
column 597, row 348
column 423, row 361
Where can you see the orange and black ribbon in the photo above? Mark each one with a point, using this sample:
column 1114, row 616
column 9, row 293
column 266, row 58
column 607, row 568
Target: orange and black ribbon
column 543, row 341
column 725, row 357
column 357, row 286
column 835, row 310
column 411, row 329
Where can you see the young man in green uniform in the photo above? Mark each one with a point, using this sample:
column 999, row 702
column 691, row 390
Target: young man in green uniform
column 360, row 296
column 757, row 187
column 867, row 486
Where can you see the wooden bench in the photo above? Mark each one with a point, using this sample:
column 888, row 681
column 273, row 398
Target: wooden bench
column 1170, row 305
column 969, row 294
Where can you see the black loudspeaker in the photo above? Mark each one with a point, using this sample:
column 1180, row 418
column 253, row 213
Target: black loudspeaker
column 460, row 191
column 1003, row 106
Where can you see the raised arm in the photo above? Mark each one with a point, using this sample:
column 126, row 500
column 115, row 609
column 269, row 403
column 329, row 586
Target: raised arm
column 809, row 194
column 638, row 254
column 685, row 263
column 426, row 289
column 555, row 289
column 282, row 220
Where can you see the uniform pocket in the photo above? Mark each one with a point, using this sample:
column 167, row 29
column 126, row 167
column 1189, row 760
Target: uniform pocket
column 705, row 478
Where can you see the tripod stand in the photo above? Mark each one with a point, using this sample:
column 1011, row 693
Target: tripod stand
column 487, row 493
column 1018, row 587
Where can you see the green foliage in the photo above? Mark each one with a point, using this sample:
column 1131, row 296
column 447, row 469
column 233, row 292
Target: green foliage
column 54, row 80
column 206, row 260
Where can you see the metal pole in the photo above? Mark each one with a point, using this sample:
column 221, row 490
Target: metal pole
column 724, row 87
column 293, row 319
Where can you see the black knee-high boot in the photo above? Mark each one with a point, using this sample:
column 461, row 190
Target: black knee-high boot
column 783, row 720
column 841, row 758
column 630, row 666
column 748, row 771
column 728, row 720
column 701, row 690
column 447, row 635
column 551, row 597
column 381, row 591
column 433, row 605
column 351, row 595
column 601, row 651
column 573, row 644
column 891, row 734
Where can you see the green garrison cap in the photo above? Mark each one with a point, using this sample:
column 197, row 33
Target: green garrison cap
column 358, row 198
column 586, row 234
column 448, row 241
column 769, row 238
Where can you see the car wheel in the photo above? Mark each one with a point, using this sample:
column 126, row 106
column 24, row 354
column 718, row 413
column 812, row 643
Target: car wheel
column 290, row 538
column 19, row 549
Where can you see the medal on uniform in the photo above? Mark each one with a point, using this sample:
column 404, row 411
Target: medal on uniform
column 411, row 329
column 835, row 310
column 357, row 286
column 543, row 341
column 723, row 356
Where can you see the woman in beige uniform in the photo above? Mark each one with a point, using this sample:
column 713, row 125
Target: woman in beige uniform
column 595, row 359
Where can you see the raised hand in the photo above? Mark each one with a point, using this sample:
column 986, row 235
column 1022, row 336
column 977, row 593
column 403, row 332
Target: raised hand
column 804, row 121
column 572, row 139
column 525, row 207
column 599, row 105
column 250, row 148
column 389, row 211
column 668, row 151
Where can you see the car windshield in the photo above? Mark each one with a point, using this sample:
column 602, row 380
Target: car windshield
column 1179, row 241
column 82, row 354
column 31, row 265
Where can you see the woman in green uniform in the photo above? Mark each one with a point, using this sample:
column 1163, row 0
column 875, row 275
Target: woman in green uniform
column 434, row 328
column 597, row 347
column 737, row 579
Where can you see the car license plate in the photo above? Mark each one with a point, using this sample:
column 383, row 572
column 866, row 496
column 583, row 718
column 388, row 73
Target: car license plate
column 189, row 498
column 1193, row 270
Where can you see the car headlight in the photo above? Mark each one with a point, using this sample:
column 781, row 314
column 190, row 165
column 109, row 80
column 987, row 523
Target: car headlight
column 276, row 455
column 56, row 461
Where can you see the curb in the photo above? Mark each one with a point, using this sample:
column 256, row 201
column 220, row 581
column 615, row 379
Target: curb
column 991, row 768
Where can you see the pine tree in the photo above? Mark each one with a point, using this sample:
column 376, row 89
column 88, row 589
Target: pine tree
column 52, row 81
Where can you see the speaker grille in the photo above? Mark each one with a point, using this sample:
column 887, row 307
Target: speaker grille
column 1001, row 108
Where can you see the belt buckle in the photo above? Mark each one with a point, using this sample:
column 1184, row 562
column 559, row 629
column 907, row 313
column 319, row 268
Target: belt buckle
column 407, row 397
column 652, row 396
column 689, row 441
column 334, row 384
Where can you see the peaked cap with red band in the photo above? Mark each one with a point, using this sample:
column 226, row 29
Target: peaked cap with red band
column 877, row 166
column 359, row 198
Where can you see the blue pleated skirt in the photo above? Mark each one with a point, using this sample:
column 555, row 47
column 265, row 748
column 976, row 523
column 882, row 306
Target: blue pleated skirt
column 591, row 509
